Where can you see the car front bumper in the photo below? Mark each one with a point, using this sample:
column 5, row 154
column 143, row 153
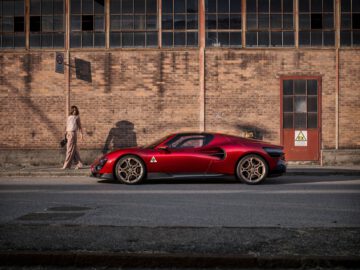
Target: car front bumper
column 108, row 176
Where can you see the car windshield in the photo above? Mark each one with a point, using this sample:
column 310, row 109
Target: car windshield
column 157, row 142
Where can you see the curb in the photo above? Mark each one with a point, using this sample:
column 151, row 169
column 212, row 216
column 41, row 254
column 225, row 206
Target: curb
column 111, row 259
column 321, row 172
column 24, row 173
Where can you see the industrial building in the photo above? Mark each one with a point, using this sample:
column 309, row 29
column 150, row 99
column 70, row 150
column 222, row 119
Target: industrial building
column 284, row 71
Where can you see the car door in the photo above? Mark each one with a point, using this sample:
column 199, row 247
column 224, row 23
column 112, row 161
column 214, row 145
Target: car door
column 182, row 156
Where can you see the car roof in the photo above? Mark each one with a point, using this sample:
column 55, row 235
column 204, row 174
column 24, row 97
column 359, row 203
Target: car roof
column 194, row 133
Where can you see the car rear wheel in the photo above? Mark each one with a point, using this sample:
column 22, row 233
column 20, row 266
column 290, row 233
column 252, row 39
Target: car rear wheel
column 130, row 170
column 252, row 169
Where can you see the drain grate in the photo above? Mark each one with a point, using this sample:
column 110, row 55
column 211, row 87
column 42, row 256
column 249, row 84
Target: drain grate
column 58, row 213
column 50, row 216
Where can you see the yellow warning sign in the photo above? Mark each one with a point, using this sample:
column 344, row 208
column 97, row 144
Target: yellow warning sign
column 300, row 138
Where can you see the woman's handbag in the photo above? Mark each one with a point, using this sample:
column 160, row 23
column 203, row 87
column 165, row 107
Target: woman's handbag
column 63, row 142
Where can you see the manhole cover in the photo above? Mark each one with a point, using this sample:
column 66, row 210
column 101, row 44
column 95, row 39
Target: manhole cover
column 50, row 216
column 68, row 208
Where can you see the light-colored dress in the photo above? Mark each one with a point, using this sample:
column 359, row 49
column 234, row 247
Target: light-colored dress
column 72, row 151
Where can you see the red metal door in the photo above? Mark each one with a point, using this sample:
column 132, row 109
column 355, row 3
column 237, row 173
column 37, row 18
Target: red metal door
column 300, row 118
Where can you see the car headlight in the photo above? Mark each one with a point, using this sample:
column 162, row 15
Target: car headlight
column 274, row 152
column 101, row 164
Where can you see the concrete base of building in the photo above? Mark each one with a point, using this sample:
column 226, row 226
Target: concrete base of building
column 40, row 157
column 341, row 157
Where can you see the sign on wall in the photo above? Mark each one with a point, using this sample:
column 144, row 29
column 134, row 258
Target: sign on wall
column 300, row 138
column 59, row 62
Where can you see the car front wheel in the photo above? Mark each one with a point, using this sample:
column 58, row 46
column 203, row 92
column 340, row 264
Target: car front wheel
column 130, row 170
column 252, row 169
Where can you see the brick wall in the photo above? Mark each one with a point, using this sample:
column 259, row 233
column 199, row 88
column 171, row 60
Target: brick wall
column 349, row 99
column 243, row 89
column 132, row 99
column 136, row 96
column 32, row 101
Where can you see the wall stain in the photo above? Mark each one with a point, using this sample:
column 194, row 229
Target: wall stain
column 1, row 69
column 29, row 65
column 26, row 66
column 253, row 131
column 250, row 59
column 122, row 70
column 160, row 82
column 298, row 57
column 230, row 56
column 107, row 72
column 173, row 62
column 186, row 63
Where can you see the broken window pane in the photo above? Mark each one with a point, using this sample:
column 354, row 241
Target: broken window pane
column 87, row 23
column 19, row 24
column 316, row 21
column 35, row 24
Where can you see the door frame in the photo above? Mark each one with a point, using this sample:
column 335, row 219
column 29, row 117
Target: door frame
column 305, row 77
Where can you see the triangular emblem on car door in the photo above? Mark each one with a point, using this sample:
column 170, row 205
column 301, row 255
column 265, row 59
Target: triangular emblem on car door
column 153, row 160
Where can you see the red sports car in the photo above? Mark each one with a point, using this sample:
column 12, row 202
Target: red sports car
column 191, row 155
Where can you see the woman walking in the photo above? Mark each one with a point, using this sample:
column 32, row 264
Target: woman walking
column 72, row 153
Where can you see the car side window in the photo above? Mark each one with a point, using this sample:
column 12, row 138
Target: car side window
column 192, row 143
column 187, row 142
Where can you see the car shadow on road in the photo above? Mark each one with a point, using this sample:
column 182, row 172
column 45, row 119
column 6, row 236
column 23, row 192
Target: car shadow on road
column 282, row 180
column 178, row 181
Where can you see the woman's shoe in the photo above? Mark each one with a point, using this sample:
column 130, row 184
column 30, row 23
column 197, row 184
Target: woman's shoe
column 79, row 166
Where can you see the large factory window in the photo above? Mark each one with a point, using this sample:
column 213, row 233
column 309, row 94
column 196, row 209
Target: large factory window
column 12, row 24
column 223, row 23
column 87, row 23
column 133, row 23
column 316, row 23
column 47, row 23
column 180, row 23
column 350, row 23
column 269, row 23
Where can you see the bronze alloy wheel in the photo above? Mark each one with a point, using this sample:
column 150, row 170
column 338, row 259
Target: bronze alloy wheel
column 130, row 170
column 252, row 169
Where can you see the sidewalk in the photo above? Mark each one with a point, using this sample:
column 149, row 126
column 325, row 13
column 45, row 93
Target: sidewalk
column 306, row 170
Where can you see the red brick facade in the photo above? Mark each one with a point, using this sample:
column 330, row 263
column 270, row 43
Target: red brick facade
column 153, row 92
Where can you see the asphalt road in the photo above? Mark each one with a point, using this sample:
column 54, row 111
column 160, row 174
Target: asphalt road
column 287, row 201
column 291, row 221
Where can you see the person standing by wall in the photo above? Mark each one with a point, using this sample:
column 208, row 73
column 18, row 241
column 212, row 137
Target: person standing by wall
column 73, row 124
